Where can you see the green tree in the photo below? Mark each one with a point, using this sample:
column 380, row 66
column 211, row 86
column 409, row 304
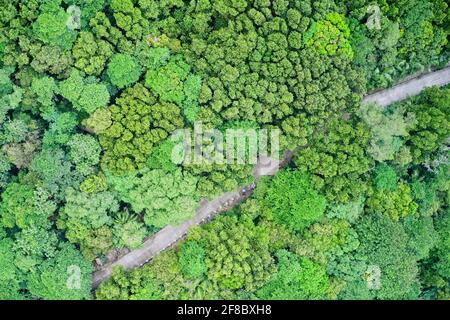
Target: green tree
column 84, row 95
column 435, row 271
column 10, row 276
column 84, row 153
column 385, row 178
column 94, row 183
column 237, row 255
column 138, row 124
column 22, row 206
column 337, row 160
column 50, row 28
column 387, row 127
column 32, row 245
column 191, row 258
column 390, row 255
column 396, row 204
column 61, row 127
column 293, row 201
column 350, row 211
column 67, row 276
column 45, row 88
column 52, row 60
column 123, row 70
column 161, row 156
column 295, row 278
column 91, row 54
column 326, row 240
column 330, row 36
column 172, row 81
column 129, row 19
column 137, row 285
column 129, row 232
column 99, row 121
column 87, row 220
column 55, row 171
column 163, row 197
column 431, row 110
column 422, row 236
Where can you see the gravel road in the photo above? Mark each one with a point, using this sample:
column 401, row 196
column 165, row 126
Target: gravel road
column 168, row 236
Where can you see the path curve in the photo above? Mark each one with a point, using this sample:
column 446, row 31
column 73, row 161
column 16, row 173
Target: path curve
column 170, row 235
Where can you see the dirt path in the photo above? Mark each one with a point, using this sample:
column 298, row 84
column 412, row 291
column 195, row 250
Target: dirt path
column 169, row 236
column 208, row 209
column 409, row 88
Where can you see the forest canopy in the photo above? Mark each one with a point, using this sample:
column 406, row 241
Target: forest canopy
column 92, row 93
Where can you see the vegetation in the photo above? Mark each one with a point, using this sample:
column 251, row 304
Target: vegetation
column 93, row 92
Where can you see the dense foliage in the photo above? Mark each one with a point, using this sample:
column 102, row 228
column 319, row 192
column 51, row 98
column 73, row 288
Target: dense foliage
column 92, row 92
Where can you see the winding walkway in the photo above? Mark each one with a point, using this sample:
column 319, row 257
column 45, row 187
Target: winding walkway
column 170, row 235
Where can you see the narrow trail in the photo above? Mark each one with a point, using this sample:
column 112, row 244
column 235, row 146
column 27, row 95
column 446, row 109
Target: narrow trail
column 207, row 210
column 409, row 88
